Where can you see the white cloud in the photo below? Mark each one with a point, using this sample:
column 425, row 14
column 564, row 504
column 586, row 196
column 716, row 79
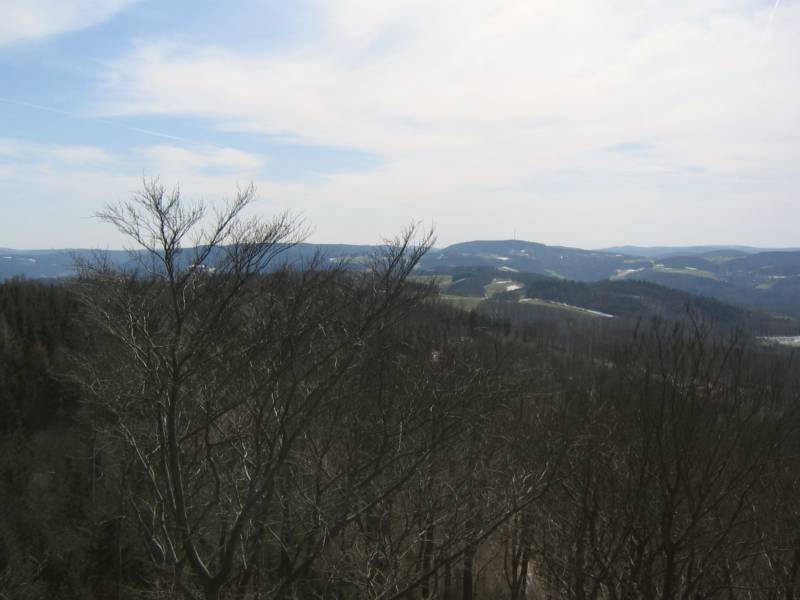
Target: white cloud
column 32, row 20
column 10, row 148
column 80, row 154
column 492, row 116
column 475, row 105
column 174, row 159
column 549, row 80
column 23, row 150
column 59, row 187
column 53, row 203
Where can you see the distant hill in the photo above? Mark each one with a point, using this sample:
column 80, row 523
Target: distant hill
column 767, row 280
column 516, row 255
column 735, row 274
column 664, row 251
column 534, row 297
column 40, row 264
column 764, row 280
column 46, row 264
column 635, row 300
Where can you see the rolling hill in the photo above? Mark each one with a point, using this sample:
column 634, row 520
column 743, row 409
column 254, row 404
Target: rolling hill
column 768, row 280
column 764, row 280
column 530, row 296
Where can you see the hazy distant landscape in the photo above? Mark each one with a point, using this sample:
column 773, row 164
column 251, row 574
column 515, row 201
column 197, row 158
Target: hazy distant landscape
column 442, row 415
column 760, row 279
column 441, row 300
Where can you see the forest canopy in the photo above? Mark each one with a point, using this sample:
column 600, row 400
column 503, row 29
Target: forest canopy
column 210, row 422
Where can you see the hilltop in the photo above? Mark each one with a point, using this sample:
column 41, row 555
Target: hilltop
column 741, row 275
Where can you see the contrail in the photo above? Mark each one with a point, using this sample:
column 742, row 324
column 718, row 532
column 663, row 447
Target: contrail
column 772, row 14
column 104, row 121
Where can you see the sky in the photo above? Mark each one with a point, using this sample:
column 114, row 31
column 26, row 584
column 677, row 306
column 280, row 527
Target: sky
column 586, row 123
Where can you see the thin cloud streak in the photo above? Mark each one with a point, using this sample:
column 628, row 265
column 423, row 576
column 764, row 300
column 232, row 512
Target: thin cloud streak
column 72, row 115
column 772, row 14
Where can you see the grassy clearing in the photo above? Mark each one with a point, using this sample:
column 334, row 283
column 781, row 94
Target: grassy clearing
column 467, row 303
column 564, row 307
column 441, row 281
column 625, row 273
column 792, row 341
column 498, row 286
column 686, row 271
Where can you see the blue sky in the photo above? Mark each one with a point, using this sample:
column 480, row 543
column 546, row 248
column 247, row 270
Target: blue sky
column 586, row 123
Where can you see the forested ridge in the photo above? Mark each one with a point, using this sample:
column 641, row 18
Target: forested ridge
column 322, row 432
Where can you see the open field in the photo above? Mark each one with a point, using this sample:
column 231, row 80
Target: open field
column 464, row 302
column 567, row 307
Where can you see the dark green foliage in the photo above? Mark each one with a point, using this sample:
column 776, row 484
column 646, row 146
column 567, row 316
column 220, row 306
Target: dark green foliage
column 58, row 536
column 37, row 326
column 642, row 300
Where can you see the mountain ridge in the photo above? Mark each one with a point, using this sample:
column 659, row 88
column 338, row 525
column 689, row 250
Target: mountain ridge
column 768, row 280
column 667, row 251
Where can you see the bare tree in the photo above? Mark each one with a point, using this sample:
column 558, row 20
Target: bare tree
column 221, row 381
column 663, row 474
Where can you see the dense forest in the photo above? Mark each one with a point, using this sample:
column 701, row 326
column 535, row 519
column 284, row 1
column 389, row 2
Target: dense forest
column 177, row 429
